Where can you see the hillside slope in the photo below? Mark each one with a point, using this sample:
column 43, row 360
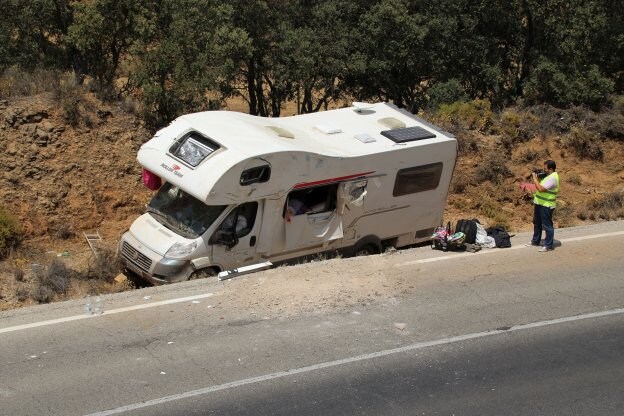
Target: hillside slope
column 61, row 181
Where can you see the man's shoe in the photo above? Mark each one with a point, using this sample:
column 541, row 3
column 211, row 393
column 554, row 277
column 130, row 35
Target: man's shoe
column 545, row 249
column 531, row 244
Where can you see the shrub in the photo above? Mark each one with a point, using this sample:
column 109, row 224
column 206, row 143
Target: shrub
column 610, row 125
column 56, row 277
column 582, row 214
column 69, row 94
column 553, row 83
column 609, row 207
column 564, row 214
column 493, row 168
column 459, row 184
column 17, row 82
column 445, row 93
column 43, row 294
column 64, row 232
column 473, row 115
column 467, row 143
column 510, row 127
column 18, row 274
column 10, row 233
column 574, row 179
column 22, row 293
column 103, row 267
column 584, row 143
column 492, row 209
column 529, row 156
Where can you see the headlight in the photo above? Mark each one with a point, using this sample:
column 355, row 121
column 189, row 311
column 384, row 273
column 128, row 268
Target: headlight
column 179, row 250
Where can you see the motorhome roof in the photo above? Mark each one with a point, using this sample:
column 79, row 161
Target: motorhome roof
column 236, row 142
column 339, row 133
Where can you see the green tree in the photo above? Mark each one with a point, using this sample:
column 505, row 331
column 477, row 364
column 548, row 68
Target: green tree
column 391, row 60
column 102, row 32
column 32, row 33
column 186, row 58
column 564, row 58
column 313, row 54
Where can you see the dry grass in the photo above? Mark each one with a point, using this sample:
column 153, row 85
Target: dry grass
column 584, row 143
column 609, row 206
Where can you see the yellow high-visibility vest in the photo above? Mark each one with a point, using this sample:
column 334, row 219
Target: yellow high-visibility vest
column 547, row 198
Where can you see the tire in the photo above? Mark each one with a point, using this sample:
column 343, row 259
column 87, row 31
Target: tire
column 367, row 246
column 203, row 273
column 366, row 250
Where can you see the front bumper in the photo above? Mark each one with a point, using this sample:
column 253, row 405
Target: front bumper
column 149, row 265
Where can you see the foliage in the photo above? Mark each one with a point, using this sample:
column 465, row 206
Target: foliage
column 55, row 278
column 552, row 83
column 103, row 267
column 10, row 232
column 609, row 206
column 492, row 209
column 190, row 55
column 182, row 59
column 102, row 32
column 493, row 168
column 473, row 115
column 445, row 93
column 584, row 143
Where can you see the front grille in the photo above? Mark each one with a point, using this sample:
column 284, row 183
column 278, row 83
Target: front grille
column 136, row 257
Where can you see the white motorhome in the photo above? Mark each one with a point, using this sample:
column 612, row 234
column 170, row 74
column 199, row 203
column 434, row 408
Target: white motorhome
column 240, row 190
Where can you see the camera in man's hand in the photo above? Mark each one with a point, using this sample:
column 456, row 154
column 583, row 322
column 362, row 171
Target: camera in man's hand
column 540, row 173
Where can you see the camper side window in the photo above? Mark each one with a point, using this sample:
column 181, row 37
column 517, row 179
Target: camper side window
column 255, row 175
column 311, row 200
column 417, row 179
column 241, row 220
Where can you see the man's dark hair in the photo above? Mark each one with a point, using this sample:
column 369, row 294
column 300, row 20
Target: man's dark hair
column 550, row 164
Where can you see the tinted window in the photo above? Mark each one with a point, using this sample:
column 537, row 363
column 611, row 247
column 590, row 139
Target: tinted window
column 255, row 175
column 417, row 179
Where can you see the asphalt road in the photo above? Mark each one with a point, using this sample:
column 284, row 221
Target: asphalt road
column 511, row 332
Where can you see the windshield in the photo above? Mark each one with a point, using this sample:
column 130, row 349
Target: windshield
column 182, row 213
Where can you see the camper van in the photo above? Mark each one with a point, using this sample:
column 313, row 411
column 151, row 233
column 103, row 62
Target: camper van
column 236, row 192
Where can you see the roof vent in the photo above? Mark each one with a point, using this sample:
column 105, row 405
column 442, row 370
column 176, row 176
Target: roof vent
column 408, row 134
column 328, row 129
column 363, row 107
column 281, row 132
column 365, row 138
column 392, row 123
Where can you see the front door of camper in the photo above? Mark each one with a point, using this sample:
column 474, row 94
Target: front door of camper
column 234, row 241
column 311, row 218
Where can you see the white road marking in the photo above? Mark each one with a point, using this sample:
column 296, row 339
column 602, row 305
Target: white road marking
column 348, row 360
column 490, row 251
column 106, row 312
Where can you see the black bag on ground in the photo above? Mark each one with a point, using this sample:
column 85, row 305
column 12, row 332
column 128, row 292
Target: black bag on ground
column 469, row 228
column 500, row 236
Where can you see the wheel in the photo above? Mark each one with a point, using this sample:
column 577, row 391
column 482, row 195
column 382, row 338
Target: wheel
column 203, row 273
column 370, row 244
column 366, row 250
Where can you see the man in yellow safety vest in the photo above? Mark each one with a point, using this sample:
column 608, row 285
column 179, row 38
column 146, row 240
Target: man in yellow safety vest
column 545, row 201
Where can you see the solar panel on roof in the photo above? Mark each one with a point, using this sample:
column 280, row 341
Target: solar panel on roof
column 408, row 134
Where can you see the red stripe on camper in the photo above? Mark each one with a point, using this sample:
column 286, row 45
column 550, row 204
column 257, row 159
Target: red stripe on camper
column 332, row 180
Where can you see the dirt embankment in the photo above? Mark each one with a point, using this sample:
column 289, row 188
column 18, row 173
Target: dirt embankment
column 62, row 181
